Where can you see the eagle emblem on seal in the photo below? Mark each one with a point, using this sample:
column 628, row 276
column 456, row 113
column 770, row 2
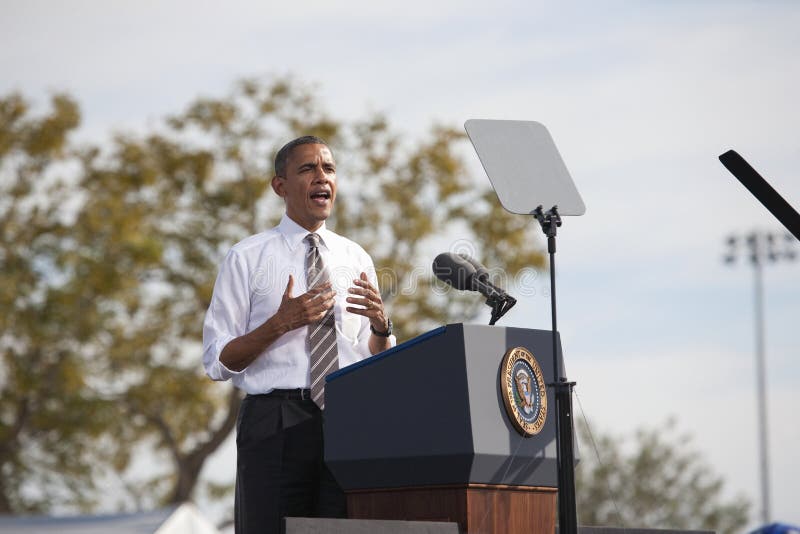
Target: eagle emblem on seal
column 523, row 390
column 523, row 380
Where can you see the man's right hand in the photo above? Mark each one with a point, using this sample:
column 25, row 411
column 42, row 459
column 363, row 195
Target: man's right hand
column 293, row 313
column 307, row 308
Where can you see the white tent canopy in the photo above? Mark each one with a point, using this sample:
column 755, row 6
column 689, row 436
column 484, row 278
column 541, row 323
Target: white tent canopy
column 183, row 519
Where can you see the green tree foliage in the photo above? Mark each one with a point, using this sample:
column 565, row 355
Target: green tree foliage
column 110, row 255
column 49, row 423
column 658, row 481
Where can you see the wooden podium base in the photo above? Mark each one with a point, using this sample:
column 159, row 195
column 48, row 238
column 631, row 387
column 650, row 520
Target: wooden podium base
column 484, row 508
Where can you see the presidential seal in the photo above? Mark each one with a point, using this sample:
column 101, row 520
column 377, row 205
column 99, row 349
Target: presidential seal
column 523, row 390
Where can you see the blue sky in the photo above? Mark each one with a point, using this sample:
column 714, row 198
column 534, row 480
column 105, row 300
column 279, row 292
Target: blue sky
column 640, row 97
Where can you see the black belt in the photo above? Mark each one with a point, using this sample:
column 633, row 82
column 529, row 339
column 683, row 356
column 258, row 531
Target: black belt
column 289, row 394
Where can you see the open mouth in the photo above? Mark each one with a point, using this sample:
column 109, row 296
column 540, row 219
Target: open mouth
column 321, row 197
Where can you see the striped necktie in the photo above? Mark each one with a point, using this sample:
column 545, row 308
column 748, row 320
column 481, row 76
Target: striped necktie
column 321, row 338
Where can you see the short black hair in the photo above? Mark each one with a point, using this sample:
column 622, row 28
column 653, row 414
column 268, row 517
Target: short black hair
column 282, row 157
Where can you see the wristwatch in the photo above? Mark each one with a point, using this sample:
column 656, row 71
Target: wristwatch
column 383, row 334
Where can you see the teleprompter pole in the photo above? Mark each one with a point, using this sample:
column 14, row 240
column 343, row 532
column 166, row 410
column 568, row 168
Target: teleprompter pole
column 527, row 173
column 565, row 451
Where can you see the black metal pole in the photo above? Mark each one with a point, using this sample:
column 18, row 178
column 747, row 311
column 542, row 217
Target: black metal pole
column 565, row 451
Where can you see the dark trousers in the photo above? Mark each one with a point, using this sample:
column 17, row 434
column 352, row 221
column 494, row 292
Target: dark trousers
column 280, row 471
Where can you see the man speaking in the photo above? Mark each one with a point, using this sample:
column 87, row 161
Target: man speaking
column 291, row 305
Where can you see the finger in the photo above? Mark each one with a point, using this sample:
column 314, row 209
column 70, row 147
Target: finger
column 326, row 303
column 360, row 301
column 363, row 283
column 369, row 299
column 324, row 296
column 371, row 307
column 322, row 307
column 360, row 291
column 321, row 288
column 366, row 289
column 369, row 313
column 317, row 292
column 358, row 311
column 288, row 293
column 321, row 302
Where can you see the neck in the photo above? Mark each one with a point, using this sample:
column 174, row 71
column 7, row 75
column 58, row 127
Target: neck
column 311, row 227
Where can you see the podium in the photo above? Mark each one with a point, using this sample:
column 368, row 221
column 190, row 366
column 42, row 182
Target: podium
column 421, row 432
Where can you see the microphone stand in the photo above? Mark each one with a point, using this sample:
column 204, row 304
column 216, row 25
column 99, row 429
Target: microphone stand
column 500, row 305
column 565, row 452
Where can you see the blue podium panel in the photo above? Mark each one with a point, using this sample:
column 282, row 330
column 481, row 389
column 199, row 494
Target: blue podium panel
column 431, row 412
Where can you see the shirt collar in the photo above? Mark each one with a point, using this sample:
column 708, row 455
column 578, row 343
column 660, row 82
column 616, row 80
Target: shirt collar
column 294, row 234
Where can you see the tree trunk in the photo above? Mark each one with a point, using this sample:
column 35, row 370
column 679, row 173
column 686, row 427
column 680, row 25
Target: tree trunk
column 189, row 465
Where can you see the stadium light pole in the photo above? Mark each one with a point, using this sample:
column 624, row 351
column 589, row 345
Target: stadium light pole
column 761, row 248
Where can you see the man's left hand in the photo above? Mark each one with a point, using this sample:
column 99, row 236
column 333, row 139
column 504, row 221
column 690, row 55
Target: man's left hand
column 369, row 298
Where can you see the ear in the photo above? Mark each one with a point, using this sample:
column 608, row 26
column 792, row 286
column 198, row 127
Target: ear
column 277, row 186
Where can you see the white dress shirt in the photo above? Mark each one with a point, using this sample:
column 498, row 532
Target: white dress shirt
column 250, row 285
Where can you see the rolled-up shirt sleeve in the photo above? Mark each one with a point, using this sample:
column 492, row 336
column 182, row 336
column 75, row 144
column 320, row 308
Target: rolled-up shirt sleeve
column 227, row 316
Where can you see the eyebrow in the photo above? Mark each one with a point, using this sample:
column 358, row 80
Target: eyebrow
column 311, row 164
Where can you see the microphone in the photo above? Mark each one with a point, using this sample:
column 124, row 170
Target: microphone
column 760, row 188
column 483, row 276
column 467, row 274
column 454, row 270
column 462, row 272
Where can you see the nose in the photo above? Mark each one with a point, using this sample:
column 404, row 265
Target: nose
column 320, row 176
